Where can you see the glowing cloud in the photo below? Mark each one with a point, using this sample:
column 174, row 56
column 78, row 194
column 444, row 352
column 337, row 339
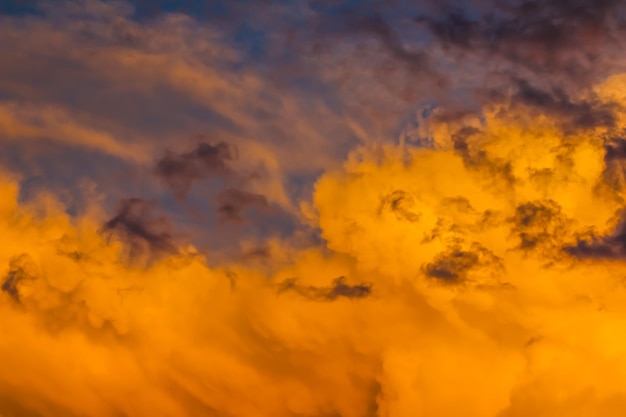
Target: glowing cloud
column 476, row 268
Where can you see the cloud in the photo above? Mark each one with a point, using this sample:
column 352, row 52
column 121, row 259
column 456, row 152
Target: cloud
column 615, row 150
column 539, row 225
column 21, row 268
column 232, row 202
column 562, row 37
column 456, row 265
column 399, row 202
column 577, row 115
column 357, row 20
column 590, row 245
column 475, row 237
column 403, row 224
column 338, row 289
column 135, row 224
column 35, row 123
column 179, row 171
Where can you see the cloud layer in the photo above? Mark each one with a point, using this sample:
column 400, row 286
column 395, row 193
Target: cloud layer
column 356, row 209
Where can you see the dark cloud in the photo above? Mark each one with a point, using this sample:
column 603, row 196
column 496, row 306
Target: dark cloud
column 538, row 225
column 399, row 202
column 592, row 246
column 258, row 252
column 455, row 29
column 21, row 269
column 597, row 248
column 338, row 289
column 565, row 37
column 137, row 226
column 455, row 265
column 615, row 163
column 231, row 203
column 377, row 26
column 460, row 139
column 615, row 150
column 534, row 53
column 498, row 171
column 361, row 21
column 179, row 171
column 577, row 115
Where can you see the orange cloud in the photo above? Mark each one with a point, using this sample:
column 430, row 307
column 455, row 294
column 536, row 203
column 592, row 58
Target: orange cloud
column 23, row 122
column 445, row 289
column 477, row 274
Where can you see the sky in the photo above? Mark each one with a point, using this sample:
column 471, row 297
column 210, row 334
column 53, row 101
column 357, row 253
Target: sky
column 312, row 208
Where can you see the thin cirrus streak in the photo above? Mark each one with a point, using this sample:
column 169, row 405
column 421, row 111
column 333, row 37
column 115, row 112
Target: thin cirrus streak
column 324, row 208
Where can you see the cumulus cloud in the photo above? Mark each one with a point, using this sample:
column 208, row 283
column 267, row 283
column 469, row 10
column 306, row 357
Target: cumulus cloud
column 438, row 270
column 472, row 267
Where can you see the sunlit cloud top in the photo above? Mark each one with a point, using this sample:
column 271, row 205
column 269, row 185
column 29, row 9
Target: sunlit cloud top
column 312, row 208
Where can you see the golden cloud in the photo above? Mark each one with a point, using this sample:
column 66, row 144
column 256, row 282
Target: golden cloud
column 480, row 277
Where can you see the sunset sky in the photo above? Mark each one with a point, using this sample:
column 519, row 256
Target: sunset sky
column 312, row 208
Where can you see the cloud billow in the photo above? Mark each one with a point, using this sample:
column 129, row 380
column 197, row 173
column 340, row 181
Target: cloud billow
column 413, row 209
